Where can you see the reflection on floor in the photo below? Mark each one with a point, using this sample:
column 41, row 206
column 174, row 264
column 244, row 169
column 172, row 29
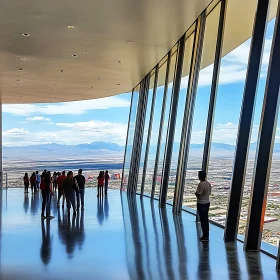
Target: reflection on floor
column 116, row 238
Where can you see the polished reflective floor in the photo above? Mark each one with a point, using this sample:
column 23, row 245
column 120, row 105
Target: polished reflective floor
column 116, row 238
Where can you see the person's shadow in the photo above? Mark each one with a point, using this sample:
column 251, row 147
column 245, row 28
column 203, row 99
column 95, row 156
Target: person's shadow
column 79, row 229
column 106, row 207
column 100, row 211
column 71, row 231
column 26, row 202
column 46, row 242
column 34, row 203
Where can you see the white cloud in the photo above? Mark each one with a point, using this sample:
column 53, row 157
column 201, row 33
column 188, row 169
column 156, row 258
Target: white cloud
column 233, row 66
column 38, row 118
column 66, row 108
column 70, row 133
column 223, row 133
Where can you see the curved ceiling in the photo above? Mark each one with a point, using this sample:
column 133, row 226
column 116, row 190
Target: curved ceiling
column 54, row 51
column 85, row 49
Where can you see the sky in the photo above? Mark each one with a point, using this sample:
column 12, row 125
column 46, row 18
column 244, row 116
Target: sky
column 106, row 119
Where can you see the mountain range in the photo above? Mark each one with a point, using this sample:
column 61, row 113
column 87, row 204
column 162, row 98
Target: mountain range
column 101, row 149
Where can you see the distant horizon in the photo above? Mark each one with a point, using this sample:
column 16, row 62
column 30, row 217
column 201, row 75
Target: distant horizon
column 106, row 142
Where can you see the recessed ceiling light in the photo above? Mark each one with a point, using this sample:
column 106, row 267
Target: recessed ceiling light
column 25, row 34
column 130, row 42
column 20, row 69
column 74, row 55
column 22, row 58
column 70, row 26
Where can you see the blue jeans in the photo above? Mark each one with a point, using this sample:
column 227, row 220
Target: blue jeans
column 106, row 187
column 82, row 197
column 70, row 200
column 203, row 210
column 46, row 203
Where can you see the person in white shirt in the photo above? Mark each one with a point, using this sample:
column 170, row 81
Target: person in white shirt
column 38, row 180
column 203, row 193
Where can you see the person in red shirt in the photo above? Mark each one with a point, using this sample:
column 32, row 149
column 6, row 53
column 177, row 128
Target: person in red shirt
column 59, row 182
column 100, row 183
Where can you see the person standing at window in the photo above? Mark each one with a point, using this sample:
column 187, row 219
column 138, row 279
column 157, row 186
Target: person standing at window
column 107, row 178
column 33, row 182
column 59, row 181
column 203, row 193
column 47, row 192
column 69, row 188
column 38, row 180
column 80, row 193
column 100, row 183
column 26, row 182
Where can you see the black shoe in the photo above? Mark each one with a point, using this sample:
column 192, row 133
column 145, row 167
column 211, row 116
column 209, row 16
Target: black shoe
column 204, row 239
column 43, row 217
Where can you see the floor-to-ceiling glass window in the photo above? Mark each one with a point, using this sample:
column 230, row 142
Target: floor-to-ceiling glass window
column 155, row 127
column 180, row 115
column 165, row 121
column 131, row 129
column 228, row 105
column 269, row 228
column 201, row 107
column 146, row 129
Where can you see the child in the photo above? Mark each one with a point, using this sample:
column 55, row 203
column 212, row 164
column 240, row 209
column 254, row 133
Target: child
column 100, row 183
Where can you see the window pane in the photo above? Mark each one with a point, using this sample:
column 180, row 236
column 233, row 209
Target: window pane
column 269, row 227
column 145, row 133
column 165, row 122
column 155, row 130
column 271, row 232
column 201, row 108
column 180, row 115
column 131, row 129
column 228, row 105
